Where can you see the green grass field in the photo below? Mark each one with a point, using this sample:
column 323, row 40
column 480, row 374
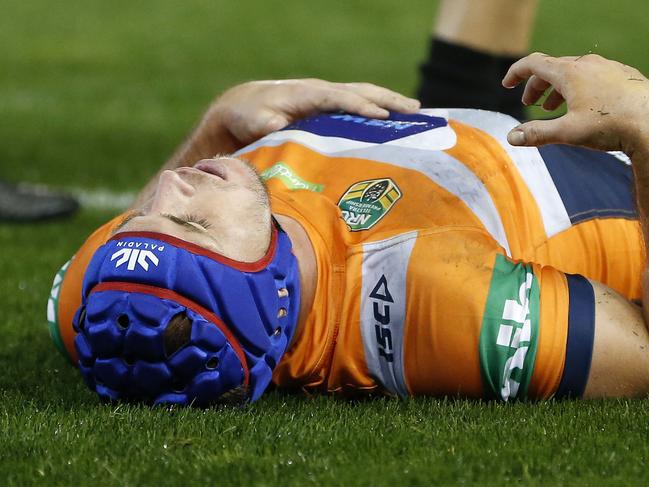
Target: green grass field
column 95, row 95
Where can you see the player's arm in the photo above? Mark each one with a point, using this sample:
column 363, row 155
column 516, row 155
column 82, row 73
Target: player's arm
column 608, row 109
column 251, row 110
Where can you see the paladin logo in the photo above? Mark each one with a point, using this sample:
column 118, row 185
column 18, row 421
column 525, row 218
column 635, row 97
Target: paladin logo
column 134, row 256
column 366, row 202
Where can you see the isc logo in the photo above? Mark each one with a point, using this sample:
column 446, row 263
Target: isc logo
column 381, row 300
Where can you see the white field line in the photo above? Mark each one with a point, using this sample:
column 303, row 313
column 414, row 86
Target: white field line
column 103, row 199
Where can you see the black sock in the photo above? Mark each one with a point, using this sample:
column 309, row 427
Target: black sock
column 460, row 77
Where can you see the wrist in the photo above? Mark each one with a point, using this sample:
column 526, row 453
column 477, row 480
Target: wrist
column 634, row 138
column 212, row 134
column 634, row 125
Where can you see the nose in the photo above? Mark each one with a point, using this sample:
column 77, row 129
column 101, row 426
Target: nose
column 172, row 192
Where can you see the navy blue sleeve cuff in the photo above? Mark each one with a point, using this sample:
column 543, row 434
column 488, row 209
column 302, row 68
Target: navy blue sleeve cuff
column 581, row 334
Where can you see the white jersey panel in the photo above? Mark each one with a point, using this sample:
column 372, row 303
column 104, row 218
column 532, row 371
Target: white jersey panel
column 317, row 143
column 383, row 309
column 528, row 161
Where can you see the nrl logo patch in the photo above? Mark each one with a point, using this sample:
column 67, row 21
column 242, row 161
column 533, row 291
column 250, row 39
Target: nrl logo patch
column 366, row 202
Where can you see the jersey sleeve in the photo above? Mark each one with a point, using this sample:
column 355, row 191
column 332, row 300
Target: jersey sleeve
column 537, row 331
column 65, row 296
column 483, row 325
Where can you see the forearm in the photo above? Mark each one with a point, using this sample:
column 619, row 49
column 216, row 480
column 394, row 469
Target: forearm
column 608, row 109
column 204, row 142
column 640, row 159
column 209, row 138
column 252, row 110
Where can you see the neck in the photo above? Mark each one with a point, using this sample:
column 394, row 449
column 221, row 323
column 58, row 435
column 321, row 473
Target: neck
column 305, row 255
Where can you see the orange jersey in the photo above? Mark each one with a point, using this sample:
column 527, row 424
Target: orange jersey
column 442, row 254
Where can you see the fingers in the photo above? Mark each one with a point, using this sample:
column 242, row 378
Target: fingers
column 534, row 90
column 537, row 64
column 553, row 101
column 606, row 101
column 348, row 101
column 255, row 109
column 384, row 97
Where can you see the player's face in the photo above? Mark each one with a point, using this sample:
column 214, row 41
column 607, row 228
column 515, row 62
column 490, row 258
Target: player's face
column 219, row 204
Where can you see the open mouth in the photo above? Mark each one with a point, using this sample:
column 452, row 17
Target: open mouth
column 213, row 167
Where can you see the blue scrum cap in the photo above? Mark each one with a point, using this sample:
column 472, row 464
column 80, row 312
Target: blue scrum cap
column 239, row 318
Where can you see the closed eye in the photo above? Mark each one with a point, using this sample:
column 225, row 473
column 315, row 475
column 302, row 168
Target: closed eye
column 190, row 222
column 189, row 218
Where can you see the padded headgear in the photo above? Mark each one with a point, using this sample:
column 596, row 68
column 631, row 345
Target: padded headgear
column 243, row 316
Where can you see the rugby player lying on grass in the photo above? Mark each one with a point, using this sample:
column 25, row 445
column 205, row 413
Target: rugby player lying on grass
column 408, row 254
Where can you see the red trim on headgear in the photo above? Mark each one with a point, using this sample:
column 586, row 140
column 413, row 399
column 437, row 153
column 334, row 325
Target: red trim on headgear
column 198, row 250
column 163, row 293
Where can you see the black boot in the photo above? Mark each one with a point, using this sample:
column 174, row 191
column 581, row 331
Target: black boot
column 24, row 203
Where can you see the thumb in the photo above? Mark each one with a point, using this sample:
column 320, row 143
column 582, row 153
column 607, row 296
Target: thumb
column 257, row 126
column 265, row 122
column 275, row 123
column 539, row 132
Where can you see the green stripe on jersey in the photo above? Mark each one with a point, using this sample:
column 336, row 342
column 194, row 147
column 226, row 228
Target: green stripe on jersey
column 510, row 330
column 53, row 310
